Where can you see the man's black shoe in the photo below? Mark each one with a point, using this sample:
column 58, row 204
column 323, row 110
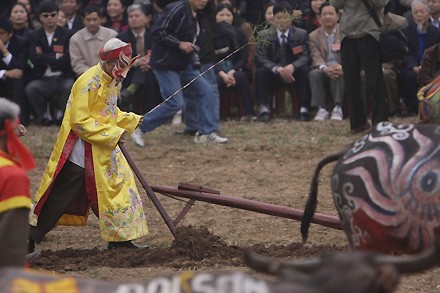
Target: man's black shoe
column 265, row 117
column 125, row 244
column 31, row 245
column 304, row 116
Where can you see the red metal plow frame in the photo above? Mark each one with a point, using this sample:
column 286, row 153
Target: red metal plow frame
column 195, row 192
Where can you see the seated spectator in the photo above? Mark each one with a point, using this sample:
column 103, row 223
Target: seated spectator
column 52, row 76
column 325, row 50
column 232, row 72
column 141, row 92
column 434, row 11
column 312, row 19
column 15, row 200
column 61, row 19
column 430, row 65
column 282, row 60
column 421, row 35
column 31, row 7
column 116, row 16
column 268, row 14
column 19, row 17
column 85, row 44
column 14, row 56
column 70, row 8
column 252, row 10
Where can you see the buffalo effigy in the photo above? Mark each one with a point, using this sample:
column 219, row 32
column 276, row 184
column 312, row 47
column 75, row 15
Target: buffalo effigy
column 386, row 189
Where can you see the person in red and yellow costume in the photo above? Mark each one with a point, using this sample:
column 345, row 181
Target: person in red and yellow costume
column 15, row 201
column 87, row 170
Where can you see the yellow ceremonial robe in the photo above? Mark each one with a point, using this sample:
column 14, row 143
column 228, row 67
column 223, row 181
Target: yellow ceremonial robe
column 93, row 116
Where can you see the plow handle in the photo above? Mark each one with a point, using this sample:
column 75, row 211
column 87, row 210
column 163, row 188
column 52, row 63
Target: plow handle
column 168, row 221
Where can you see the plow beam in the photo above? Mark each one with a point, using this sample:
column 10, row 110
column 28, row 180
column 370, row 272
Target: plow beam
column 246, row 204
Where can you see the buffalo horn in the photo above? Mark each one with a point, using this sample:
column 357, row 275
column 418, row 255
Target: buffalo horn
column 273, row 266
column 413, row 263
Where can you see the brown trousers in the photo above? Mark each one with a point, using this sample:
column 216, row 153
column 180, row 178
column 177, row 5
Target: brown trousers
column 14, row 231
column 69, row 183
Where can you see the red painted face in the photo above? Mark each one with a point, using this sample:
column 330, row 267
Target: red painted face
column 123, row 65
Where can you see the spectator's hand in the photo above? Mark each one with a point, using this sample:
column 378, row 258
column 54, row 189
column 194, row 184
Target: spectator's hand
column 297, row 15
column 3, row 48
column 338, row 69
column 227, row 79
column 286, row 73
column 122, row 138
column 331, row 71
column 14, row 73
column 20, row 130
column 417, row 69
column 144, row 63
column 187, row 47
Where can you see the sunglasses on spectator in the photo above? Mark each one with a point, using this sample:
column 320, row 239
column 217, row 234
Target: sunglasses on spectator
column 46, row 14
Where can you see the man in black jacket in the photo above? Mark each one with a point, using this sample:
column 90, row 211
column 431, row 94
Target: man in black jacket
column 282, row 60
column 174, row 60
column 52, row 75
column 14, row 56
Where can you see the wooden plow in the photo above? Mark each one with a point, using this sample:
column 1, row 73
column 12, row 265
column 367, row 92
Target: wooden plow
column 198, row 193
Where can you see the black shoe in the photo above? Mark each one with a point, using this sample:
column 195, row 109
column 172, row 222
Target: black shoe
column 186, row 132
column 44, row 122
column 31, row 245
column 364, row 127
column 125, row 244
column 265, row 117
column 304, row 116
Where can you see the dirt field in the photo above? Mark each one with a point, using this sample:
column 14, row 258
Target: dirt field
column 271, row 163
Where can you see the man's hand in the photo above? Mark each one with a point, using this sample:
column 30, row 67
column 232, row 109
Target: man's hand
column 187, row 47
column 227, row 78
column 20, row 130
column 286, row 73
column 333, row 71
column 417, row 69
column 14, row 73
column 122, row 138
column 144, row 63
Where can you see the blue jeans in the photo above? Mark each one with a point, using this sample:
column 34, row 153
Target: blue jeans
column 170, row 82
column 190, row 108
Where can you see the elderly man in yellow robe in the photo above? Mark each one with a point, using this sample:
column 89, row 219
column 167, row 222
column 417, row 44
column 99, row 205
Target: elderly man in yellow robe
column 87, row 169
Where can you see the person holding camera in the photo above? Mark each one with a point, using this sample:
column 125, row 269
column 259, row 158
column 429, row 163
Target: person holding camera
column 174, row 60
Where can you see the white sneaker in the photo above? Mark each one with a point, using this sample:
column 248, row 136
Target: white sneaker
column 321, row 115
column 209, row 138
column 337, row 114
column 137, row 137
column 177, row 118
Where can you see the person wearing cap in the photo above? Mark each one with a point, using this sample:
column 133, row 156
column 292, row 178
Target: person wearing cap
column 51, row 75
column 87, row 169
column 15, row 200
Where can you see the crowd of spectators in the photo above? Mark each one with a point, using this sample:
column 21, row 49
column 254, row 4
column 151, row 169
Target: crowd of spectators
column 47, row 44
